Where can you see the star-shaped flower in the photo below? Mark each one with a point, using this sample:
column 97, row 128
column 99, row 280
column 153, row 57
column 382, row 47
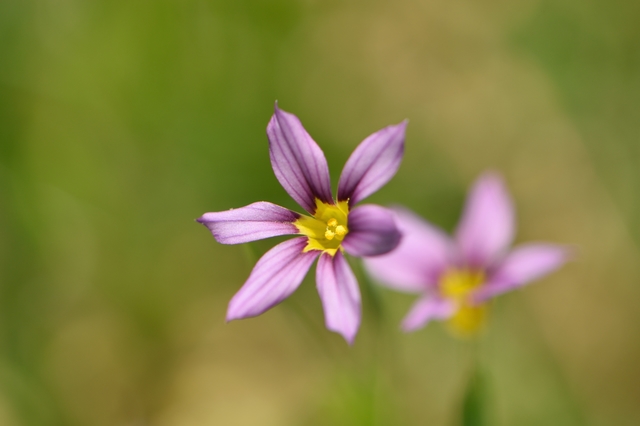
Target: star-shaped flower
column 456, row 276
column 333, row 226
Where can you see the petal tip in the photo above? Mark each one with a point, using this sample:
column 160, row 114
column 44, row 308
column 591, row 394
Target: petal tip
column 566, row 253
column 409, row 326
column 231, row 315
column 279, row 112
column 400, row 128
column 235, row 311
column 349, row 336
column 571, row 253
column 407, row 329
column 492, row 177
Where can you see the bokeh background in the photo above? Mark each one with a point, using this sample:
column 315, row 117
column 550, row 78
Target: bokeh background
column 123, row 121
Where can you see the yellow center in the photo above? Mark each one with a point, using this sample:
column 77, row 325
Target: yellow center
column 326, row 228
column 457, row 285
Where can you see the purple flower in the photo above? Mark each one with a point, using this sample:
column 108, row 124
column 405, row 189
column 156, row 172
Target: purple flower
column 455, row 276
column 333, row 227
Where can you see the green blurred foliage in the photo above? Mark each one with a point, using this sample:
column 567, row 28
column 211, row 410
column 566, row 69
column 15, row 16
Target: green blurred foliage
column 590, row 51
column 123, row 121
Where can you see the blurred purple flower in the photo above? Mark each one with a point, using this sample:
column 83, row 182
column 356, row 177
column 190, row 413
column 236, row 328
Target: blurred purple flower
column 333, row 227
column 456, row 276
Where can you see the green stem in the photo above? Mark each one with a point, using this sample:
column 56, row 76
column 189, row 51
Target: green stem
column 477, row 403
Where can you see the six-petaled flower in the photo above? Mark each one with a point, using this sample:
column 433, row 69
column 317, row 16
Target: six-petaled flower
column 334, row 226
column 455, row 276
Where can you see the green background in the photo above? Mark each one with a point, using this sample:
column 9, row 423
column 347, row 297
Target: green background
column 123, row 121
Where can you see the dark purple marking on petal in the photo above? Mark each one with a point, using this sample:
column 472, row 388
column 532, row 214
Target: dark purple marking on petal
column 373, row 163
column 276, row 275
column 340, row 295
column 250, row 223
column 423, row 254
column 523, row 265
column 298, row 162
column 487, row 225
column 372, row 231
column 427, row 308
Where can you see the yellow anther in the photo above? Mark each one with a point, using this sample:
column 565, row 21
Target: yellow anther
column 458, row 286
column 327, row 228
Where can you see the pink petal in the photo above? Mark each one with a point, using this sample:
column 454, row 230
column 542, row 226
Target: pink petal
column 523, row 265
column 276, row 275
column 372, row 231
column 250, row 223
column 487, row 225
column 373, row 163
column 297, row 161
column 340, row 295
column 422, row 255
column 426, row 309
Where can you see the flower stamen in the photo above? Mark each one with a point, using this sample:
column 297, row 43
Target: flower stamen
column 326, row 228
column 334, row 230
column 457, row 285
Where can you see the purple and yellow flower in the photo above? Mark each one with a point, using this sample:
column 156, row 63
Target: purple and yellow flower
column 333, row 226
column 456, row 276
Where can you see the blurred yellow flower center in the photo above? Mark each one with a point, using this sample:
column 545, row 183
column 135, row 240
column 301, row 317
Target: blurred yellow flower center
column 457, row 285
column 326, row 228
